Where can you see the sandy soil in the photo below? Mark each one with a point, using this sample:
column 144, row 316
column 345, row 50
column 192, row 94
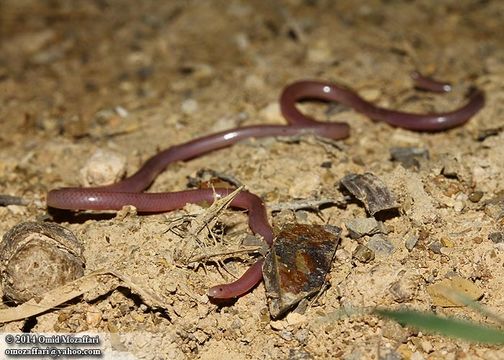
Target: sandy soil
column 135, row 77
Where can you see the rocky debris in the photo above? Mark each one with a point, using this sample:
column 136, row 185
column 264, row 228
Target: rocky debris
column 409, row 157
column 359, row 227
column 411, row 241
column 497, row 237
column 380, row 244
column 363, row 254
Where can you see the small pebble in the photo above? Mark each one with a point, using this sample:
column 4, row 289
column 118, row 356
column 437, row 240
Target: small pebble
column 305, row 185
column 299, row 354
column 405, row 351
column 286, row 335
column 446, row 251
column 271, row 112
column 302, row 335
column 122, row 112
column 139, row 318
column 363, row 226
column 452, row 168
column 294, row 318
column 93, row 318
column 104, row 167
column 251, row 240
column 203, row 72
column 380, row 244
column 189, row 106
column 408, row 156
column 390, row 354
column 320, row 52
column 394, row 331
column 496, row 237
column 447, row 242
column 411, row 241
column 458, row 206
column 278, row 324
column 475, row 196
column 426, row 346
column 326, row 164
column 16, row 209
column 30, row 42
column 435, row 247
column 200, row 336
column 494, row 210
column 363, row 254
column 254, row 82
column 343, row 256
column 370, row 94
column 417, row 356
column 404, row 289
column 477, row 240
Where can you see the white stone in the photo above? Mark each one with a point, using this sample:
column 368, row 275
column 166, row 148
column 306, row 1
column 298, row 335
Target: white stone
column 189, row 106
column 104, row 167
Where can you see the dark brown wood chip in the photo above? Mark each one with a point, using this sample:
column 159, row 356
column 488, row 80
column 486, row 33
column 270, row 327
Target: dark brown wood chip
column 371, row 191
column 297, row 264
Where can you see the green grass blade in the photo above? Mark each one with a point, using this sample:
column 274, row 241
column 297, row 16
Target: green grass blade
column 445, row 326
column 476, row 306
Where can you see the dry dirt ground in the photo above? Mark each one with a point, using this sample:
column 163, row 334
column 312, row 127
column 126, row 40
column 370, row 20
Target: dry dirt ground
column 134, row 77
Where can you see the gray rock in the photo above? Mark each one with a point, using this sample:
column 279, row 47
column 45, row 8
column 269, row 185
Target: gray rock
column 411, row 241
column 364, row 226
column 435, row 247
column 496, row 237
column 379, row 243
column 409, row 156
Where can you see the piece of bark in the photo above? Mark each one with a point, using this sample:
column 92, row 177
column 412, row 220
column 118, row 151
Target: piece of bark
column 371, row 191
column 297, row 264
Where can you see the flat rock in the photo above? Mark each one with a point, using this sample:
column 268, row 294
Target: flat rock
column 409, row 157
column 359, row 227
column 380, row 244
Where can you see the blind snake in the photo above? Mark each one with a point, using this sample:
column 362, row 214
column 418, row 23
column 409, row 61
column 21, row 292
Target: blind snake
column 130, row 190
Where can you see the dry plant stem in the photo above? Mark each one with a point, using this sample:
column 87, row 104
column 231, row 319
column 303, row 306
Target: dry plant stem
column 201, row 222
